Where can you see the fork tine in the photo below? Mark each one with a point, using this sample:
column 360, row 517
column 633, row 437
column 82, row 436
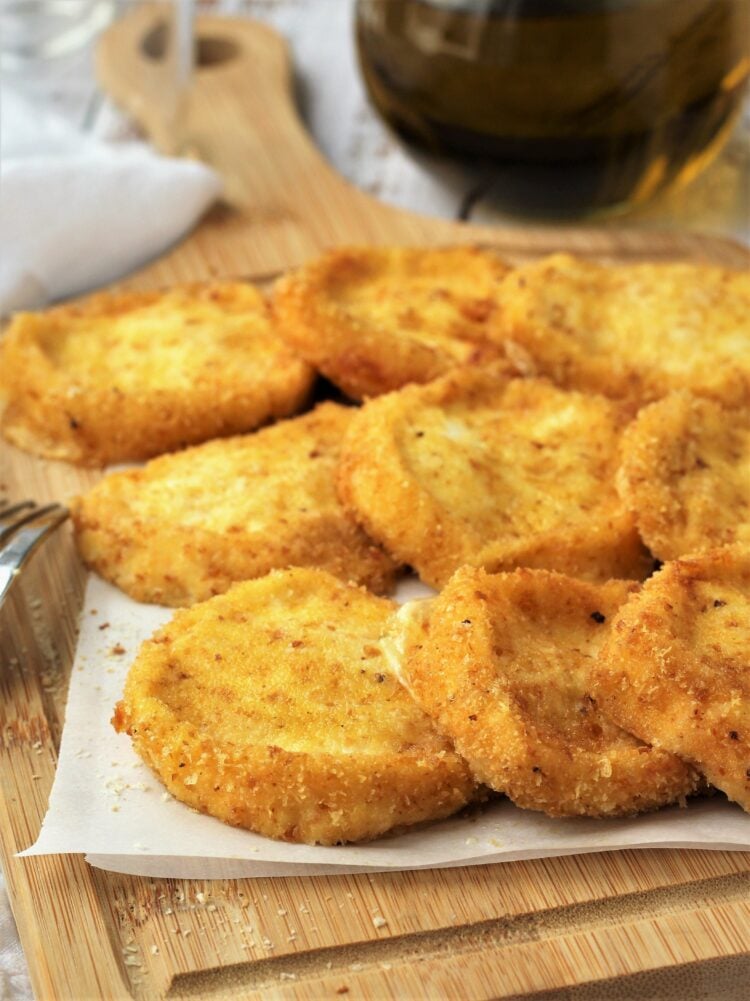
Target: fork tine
column 23, row 537
column 9, row 513
column 6, row 508
column 12, row 518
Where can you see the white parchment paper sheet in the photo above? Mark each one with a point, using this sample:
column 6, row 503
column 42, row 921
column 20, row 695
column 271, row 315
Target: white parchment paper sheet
column 107, row 804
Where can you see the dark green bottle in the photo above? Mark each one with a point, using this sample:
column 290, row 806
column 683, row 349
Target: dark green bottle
column 572, row 106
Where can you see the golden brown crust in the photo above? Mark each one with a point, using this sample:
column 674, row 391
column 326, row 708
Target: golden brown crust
column 373, row 319
column 126, row 376
column 502, row 663
column 638, row 330
column 188, row 525
column 481, row 468
column 272, row 708
column 674, row 669
column 685, row 475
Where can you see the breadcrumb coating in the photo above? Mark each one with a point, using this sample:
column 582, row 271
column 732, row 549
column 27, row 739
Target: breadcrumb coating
column 674, row 670
column 120, row 377
column 189, row 524
column 373, row 319
column 273, row 708
column 482, row 468
column 685, row 475
column 636, row 330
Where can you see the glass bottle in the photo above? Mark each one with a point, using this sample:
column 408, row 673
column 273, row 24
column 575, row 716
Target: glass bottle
column 575, row 106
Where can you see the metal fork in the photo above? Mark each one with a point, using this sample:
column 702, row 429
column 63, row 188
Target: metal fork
column 22, row 527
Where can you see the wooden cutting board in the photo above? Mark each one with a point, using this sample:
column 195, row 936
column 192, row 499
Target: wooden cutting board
column 636, row 924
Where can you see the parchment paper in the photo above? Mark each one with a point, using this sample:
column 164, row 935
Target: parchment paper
column 107, row 804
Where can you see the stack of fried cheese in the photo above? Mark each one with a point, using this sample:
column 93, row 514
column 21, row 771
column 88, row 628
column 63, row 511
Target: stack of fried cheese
column 581, row 699
column 310, row 710
column 531, row 441
column 504, row 665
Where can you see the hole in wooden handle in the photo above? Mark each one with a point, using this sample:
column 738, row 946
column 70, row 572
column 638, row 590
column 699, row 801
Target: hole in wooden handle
column 154, row 43
column 210, row 50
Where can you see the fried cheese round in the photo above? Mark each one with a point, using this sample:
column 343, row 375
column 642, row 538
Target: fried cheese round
column 273, row 708
column 373, row 319
column 674, row 670
column 189, row 524
column 685, row 475
column 119, row 377
column 481, row 468
column 502, row 662
column 637, row 330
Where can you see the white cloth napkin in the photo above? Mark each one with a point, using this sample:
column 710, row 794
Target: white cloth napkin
column 76, row 212
column 14, row 978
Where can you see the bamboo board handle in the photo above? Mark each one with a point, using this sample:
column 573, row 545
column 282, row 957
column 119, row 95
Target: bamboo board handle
column 239, row 108
column 239, row 116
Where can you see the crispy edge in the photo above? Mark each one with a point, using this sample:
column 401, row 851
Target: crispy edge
column 44, row 413
column 293, row 796
column 366, row 361
column 451, row 668
column 652, row 682
column 662, row 450
column 570, row 362
column 375, row 483
column 169, row 564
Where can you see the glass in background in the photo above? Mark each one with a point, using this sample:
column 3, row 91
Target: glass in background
column 50, row 100
column 34, row 30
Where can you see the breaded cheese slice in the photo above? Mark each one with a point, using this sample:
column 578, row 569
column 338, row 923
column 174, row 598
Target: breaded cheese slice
column 674, row 670
column 373, row 319
column 119, row 377
column 189, row 524
column 502, row 663
column 685, row 475
column 637, row 330
column 273, row 708
column 484, row 469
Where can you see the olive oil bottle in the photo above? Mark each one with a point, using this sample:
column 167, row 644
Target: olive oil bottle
column 573, row 106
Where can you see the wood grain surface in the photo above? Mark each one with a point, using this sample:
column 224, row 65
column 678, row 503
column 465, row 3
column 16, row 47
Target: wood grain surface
column 636, row 924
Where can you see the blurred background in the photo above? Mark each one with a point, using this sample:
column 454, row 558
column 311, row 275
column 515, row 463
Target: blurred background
column 338, row 112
